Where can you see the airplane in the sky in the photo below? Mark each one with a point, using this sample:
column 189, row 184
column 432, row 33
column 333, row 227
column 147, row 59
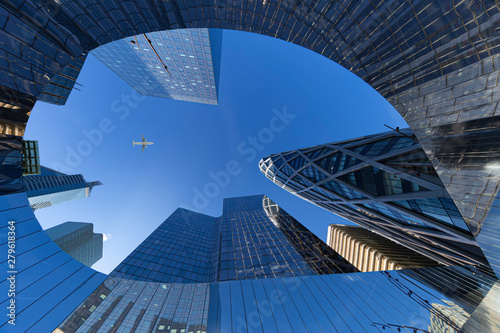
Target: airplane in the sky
column 144, row 143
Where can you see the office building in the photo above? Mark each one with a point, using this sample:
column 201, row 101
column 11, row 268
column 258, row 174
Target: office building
column 78, row 240
column 192, row 57
column 385, row 183
column 436, row 62
column 52, row 187
column 60, row 86
column 368, row 251
column 253, row 239
column 255, row 268
column 31, row 158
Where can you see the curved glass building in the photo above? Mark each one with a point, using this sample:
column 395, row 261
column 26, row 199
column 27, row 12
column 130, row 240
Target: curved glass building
column 436, row 62
column 385, row 183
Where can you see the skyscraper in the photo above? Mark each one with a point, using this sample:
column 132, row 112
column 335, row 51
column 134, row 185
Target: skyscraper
column 78, row 240
column 52, row 187
column 192, row 57
column 368, row 251
column 384, row 182
column 254, row 269
column 253, row 239
column 436, row 62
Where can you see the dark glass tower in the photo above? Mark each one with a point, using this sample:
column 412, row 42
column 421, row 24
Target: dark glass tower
column 61, row 85
column 436, row 62
column 78, row 240
column 253, row 239
column 384, row 182
column 256, row 269
column 53, row 187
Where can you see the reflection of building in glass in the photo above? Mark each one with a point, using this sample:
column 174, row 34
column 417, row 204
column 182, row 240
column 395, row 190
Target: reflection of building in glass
column 81, row 314
column 52, row 187
column 192, row 57
column 453, row 312
column 314, row 303
column 436, row 62
column 30, row 158
column 136, row 306
column 253, row 238
column 78, row 240
column 61, row 85
column 384, row 182
column 369, row 251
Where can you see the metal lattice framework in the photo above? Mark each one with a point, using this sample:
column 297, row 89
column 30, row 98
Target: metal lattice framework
column 347, row 178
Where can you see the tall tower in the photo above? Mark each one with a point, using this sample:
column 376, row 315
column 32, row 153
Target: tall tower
column 78, row 240
column 253, row 239
column 192, row 58
column 52, row 187
column 385, row 183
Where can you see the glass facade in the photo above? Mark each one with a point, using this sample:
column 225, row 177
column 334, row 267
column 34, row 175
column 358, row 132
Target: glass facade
column 359, row 302
column 78, row 240
column 435, row 61
column 51, row 187
column 192, row 57
column 253, row 239
column 184, row 248
column 385, row 183
column 31, row 158
column 58, row 89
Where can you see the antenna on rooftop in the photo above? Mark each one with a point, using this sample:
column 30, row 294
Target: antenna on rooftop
column 157, row 55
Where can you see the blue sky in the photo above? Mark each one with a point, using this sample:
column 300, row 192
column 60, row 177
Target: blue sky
column 260, row 77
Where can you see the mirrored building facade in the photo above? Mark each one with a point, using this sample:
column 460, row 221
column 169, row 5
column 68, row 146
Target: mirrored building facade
column 253, row 239
column 385, row 183
column 52, row 187
column 356, row 302
column 266, row 273
column 436, row 62
column 31, row 158
column 60, row 86
column 192, row 57
column 78, row 240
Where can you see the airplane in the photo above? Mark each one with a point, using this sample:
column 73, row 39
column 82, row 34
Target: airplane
column 144, row 143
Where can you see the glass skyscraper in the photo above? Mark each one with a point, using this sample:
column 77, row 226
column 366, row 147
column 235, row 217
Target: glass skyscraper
column 384, row 182
column 254, row 269
column 192, row 57
column 78, row 240
column 436, row 62
column 253, row 239
column 52, row 187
